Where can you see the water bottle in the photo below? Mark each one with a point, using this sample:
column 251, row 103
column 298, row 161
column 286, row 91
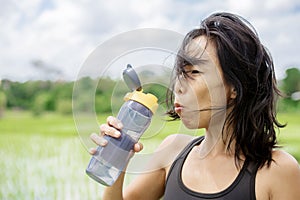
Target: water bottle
column 135, row 114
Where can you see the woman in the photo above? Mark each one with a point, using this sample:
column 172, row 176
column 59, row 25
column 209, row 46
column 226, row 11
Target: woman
column 223, row 82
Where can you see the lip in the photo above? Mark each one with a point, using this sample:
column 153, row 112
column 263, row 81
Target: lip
column 178, row 107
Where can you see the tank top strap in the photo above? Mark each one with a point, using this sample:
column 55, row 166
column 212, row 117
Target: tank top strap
column 189, row 147
column 185, row 151
column 252, row 171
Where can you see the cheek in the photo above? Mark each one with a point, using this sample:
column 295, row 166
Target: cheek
column 202, row 94
column 217, row 92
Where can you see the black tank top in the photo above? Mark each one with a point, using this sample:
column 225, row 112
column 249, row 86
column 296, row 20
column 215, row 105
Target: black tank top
column 243, row 187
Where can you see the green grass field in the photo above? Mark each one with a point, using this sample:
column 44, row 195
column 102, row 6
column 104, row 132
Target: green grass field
column 44, row 157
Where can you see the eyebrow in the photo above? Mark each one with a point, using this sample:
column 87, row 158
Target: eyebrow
column 195, row 61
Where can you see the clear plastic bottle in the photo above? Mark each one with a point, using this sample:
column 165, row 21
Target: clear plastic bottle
column 135, row 114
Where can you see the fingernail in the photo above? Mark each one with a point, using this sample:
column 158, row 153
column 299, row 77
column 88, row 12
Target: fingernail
column 91, row 150
column 139, row 146
column 103, row 142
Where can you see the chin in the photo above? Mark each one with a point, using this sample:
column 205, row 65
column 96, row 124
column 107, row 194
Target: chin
column 190, row 123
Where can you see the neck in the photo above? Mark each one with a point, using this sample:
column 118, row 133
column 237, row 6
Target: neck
column 214, row 143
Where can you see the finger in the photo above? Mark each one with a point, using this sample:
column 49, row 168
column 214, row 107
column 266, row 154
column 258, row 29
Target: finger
column 108, row 130
column 92, row 151
column 98, row 140
column 112, row 121
column 138, row 147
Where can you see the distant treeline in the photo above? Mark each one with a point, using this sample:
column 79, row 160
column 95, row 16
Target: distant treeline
column 44, row 96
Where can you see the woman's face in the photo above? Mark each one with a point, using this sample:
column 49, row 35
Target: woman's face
column 201, row 100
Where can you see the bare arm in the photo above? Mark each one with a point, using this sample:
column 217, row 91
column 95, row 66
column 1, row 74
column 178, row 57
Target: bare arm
column 115, row 191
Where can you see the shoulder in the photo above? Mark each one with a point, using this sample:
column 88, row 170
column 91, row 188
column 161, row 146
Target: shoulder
column 282, row 177
column 284, row 164
column 176, row 141
column 170, row 147
column 282, row 158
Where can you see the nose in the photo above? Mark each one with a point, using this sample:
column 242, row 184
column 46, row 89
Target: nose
column 178, row 88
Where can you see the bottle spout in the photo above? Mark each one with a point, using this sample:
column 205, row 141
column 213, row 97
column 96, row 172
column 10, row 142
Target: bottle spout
column 131, row 79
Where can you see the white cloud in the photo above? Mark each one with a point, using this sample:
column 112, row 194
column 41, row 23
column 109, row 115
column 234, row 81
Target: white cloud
column 63, row 33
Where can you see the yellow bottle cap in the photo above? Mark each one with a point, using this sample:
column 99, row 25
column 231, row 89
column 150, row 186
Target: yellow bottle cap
column 148, row 100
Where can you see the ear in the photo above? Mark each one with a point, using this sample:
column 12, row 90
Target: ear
column 232, row 93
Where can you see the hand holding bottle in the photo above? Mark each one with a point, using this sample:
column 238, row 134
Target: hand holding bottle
column 113, row 129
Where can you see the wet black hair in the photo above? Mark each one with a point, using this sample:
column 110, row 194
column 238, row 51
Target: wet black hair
column 247, row 66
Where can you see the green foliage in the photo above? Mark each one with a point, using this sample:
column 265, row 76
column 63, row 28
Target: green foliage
column 41, row 102
column 291, row 83
column 102, row 103
column 105, row 86
column 64, row 106
column 2, row 99
column 290, row 86
column 2, row 103
column 83, row 94
column 37, row 96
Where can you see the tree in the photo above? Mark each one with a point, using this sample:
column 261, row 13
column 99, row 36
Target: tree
column 291, row 83
column 290, row 87
column 40, row 103
column 2, row 103
column 64, row 106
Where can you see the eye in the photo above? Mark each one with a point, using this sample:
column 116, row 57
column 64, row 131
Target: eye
column 195, row 71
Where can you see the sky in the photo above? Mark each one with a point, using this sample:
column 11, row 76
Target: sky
column 51, row 39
